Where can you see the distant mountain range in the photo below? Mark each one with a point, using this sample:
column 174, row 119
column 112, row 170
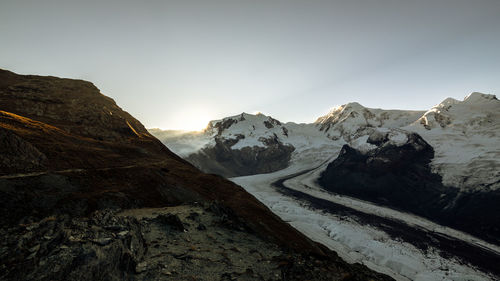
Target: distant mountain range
column 442, row 165
column 464, row 134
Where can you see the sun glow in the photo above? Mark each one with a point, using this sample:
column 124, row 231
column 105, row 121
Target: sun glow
column 192, row 119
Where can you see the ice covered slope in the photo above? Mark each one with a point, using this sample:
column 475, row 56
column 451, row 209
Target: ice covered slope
column 466, row 138
column 353, row 120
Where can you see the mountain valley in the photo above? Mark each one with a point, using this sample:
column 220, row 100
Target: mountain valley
column 429, row 170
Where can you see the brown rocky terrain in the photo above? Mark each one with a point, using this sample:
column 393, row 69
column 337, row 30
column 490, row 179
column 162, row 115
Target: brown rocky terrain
column 72, row 167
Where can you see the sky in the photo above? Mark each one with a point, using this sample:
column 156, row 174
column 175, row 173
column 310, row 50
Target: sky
column 179, row 64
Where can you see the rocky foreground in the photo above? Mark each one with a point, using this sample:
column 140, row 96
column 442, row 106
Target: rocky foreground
column 86, row 193
column 188, row 242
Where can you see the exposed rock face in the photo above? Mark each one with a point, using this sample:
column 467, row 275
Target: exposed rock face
column 156, row 244
column 101, row 247
column 396, row 173
column 388, row 174
column 221, row 159
column 17, row 154
column 70, row 153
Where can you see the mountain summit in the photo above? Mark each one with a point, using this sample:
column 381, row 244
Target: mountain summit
column 351, row 120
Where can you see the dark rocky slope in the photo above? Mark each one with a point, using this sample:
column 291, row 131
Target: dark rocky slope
column 72, row 161
column 221, row 159
column 400, row 176
column 186, row 242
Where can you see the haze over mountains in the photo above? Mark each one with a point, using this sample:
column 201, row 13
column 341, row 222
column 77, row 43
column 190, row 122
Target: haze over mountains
column 441, row 165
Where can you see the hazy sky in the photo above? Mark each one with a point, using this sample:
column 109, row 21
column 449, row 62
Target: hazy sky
column 178, row 64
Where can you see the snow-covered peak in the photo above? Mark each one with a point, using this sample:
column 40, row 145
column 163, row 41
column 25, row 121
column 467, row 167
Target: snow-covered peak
column 476, row 110
column 352, row 120
column 476, row 97
column 247, row 129
column 352, row 106
column 339, row 112
column 466, row 137
column 242, row 117
column 447, row 102
column 243, row 123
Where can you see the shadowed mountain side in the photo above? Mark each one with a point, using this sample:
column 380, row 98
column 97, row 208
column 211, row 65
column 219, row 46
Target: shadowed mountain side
column 221, row 159
column 98, row 156
column 399, row 175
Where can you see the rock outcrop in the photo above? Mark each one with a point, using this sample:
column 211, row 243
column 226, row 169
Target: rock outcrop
column 396, row 173
column 186, row 242
column 221, row 159
column 17, row 154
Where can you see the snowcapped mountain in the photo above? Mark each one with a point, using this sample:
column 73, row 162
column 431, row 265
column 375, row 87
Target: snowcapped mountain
column 247, row 130
column 248, row 144
column 465, row 136
column 229, row 145
column 353, row 120
column 254, row 130
column 466, row 139
column 423, row 170
column 476, row 111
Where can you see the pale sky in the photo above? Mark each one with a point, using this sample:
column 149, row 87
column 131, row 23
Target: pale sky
column 179, row 64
